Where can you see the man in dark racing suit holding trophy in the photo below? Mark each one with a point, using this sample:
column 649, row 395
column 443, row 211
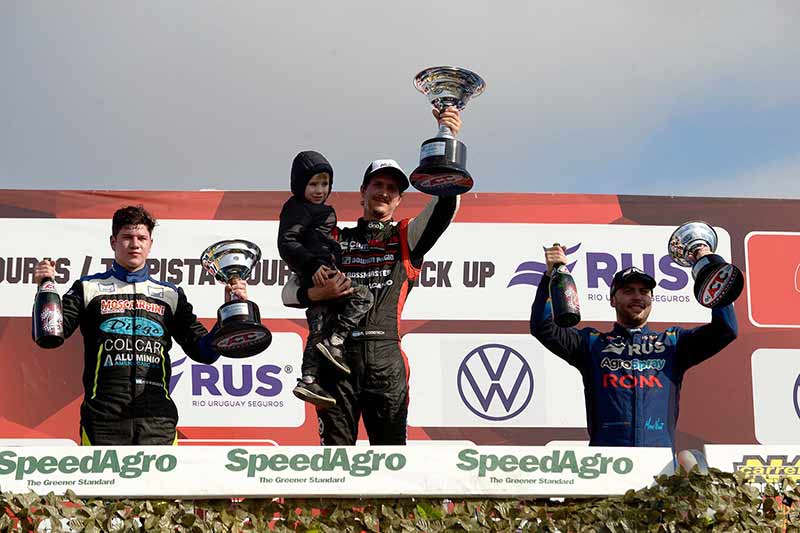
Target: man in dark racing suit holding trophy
column 632, row 375
column 386, row 256
column 128, row 320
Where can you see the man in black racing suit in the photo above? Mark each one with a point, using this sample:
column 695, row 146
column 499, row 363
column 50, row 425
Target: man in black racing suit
column 128, row 320
column 386, row 256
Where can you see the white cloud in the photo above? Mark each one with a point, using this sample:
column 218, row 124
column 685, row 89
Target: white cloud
column 198, row 94
column 778, row 179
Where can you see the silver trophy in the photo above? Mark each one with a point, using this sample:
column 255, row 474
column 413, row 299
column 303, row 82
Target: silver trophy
column 717, row 283
column 240, row 332
column 442, row 160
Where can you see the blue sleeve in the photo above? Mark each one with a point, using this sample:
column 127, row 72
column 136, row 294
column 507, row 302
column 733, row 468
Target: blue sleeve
column 693, row 346
column 567, row 343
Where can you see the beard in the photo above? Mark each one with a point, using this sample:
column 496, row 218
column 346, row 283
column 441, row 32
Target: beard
column 632, row 317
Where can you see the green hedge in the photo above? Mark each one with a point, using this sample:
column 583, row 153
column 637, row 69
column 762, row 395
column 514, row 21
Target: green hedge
column 716, row 501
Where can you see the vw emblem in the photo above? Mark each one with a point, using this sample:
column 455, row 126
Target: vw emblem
column 796, row 396
column 495, row 382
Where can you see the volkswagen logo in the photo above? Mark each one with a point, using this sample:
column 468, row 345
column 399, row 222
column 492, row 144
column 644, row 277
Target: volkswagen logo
column 495, row 382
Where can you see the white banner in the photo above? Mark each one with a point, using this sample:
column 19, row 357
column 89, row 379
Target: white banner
column 477, row 271
column 254, row 391
column 760, row 464
column 383, row 471
column 490, row 381
column 776, row 395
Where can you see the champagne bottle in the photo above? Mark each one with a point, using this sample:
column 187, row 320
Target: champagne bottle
column 564, row 296
column 48, row 316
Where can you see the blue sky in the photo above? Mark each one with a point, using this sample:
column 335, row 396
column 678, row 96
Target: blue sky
column 679, row 98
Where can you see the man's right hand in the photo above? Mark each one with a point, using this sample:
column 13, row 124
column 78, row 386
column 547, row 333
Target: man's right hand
column 334, row 287
column 555, row 255
column 46, row 268
column 321, row 275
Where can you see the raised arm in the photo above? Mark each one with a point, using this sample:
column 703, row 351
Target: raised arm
column 426, row 228
column 693, row 346
column 566, row 343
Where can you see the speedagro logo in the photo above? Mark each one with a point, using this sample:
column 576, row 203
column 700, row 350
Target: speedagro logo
column 99, row 462
column 328, row 460
column 585, row 467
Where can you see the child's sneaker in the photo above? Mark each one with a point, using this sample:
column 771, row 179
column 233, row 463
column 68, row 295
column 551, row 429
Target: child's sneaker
column 334, row 353
column 312, row 393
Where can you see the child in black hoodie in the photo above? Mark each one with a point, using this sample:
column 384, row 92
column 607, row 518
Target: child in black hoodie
column 306, row 244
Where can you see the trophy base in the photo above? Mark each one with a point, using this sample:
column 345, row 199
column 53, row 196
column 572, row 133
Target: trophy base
column 241, row 333
column 717, row 283
column 442, row 168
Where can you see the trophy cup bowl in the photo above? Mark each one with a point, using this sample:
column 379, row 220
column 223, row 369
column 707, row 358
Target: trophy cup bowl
column 717, row 283
column 442, row 161
column 240, row 332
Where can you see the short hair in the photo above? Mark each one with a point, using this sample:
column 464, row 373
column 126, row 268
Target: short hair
column 132, row 215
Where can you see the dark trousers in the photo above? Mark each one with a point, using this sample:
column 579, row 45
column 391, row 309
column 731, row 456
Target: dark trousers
column 377, row 389
column 143, row 431
column 339, row 316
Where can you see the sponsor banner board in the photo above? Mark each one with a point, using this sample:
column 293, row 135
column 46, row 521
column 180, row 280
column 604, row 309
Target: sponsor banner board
column 759, row 464
column 82, row 248
column 773, row 278
column 245, row 392
column 382, row 471
column 477, row 271
column 776, row 395
column 462, row 380
column 483, row 270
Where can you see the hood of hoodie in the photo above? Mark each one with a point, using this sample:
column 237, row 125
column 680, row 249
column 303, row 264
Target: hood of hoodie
column 304, row 167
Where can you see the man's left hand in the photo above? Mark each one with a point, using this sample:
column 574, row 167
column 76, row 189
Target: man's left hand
column 450, row 117
column 237, row 287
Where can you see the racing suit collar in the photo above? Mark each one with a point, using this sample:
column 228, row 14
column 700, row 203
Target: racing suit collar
column 372, row 226
column 122, row 274
column 622, row 331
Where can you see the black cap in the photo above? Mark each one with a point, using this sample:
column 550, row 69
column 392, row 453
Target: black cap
column 386, row 166
column 625, row 276
column 304, row 167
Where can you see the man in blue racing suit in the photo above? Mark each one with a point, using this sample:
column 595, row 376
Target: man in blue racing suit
column 632, row 375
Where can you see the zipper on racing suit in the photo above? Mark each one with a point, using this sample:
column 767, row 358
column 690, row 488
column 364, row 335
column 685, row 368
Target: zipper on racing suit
column 134, row 359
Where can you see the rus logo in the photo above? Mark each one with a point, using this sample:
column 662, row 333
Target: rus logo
column 495, row 382
column 531, row 272
column 600, row 267
column 231, row 380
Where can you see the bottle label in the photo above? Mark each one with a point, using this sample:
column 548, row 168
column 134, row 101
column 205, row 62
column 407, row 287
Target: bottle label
column 51, row 319
column 571, row 296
